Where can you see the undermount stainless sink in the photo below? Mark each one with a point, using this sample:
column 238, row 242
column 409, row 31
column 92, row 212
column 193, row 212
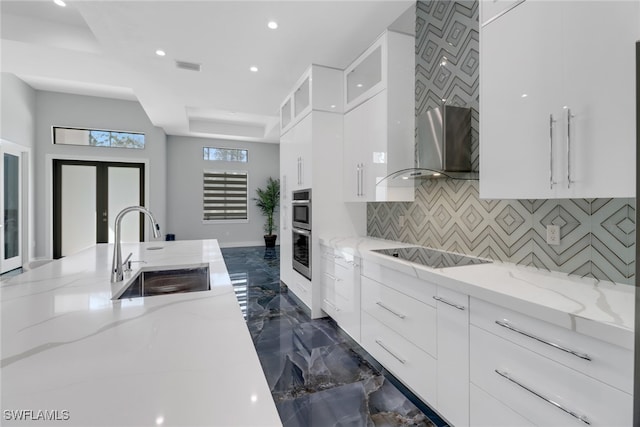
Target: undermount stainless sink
column 163, row 282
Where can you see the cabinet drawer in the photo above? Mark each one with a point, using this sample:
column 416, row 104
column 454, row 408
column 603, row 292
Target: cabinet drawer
column 407, row 316
column 609, row 363
column 417, row 288
column 522, row 380
column 408, row 363
column 492, row 9
column 487, row 411
column 344, row 281
column 301, row 287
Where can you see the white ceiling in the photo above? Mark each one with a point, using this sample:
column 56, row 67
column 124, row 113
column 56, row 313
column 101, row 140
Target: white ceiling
column 107, row 48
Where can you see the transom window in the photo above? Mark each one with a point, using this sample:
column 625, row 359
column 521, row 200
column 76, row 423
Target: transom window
column 226, row 154
column 98, row 138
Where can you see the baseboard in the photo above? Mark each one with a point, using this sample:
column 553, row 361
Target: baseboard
column 241, row 244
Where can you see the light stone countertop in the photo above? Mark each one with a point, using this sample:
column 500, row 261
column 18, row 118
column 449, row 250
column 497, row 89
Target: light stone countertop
column 600, row 309
column 181, row 359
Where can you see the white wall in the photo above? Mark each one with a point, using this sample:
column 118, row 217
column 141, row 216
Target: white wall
column 17, row 111
column 184, row 189
column 57, row 109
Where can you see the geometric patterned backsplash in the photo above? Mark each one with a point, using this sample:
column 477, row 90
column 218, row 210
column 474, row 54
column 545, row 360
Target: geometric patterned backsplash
column 597, row 235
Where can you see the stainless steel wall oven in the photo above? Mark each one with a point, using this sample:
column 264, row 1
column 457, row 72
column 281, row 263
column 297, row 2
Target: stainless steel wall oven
column 301, row 231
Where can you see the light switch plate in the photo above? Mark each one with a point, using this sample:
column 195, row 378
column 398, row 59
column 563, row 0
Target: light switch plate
column 553, row 234
column 401, row 220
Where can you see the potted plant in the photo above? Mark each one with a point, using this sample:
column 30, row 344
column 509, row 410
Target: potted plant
column 268, row 201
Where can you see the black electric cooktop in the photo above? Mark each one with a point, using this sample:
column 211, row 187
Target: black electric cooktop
column 431, row 257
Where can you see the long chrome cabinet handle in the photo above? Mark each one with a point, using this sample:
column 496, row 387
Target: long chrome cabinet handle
column 361, row 179
column 551, row 123
column 549, row 343
column 582, row 418
column 400, row 359
column 358, row 180
column 459, row 307
column 302, row 170
column 390, row 310
column 569, row 117
column 284, row 187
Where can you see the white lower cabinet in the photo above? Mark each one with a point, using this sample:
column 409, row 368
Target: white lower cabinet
column 549, row 375
column 542, row 390
column 409, row 363
column 340, row 281
column 480, row 364
column 407, row 316
column 605, row 362
column 453, row 356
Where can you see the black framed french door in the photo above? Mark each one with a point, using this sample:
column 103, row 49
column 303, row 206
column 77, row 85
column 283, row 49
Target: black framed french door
column 87, row 195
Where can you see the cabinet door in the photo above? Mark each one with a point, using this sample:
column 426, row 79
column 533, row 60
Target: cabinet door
column 520, row 108
column 347, row 293
column 367, row 75
column 599, row 52
column 365, row 136
column 287, row 177
column 286, row 115
column 328, row 282
column 453, row 356
column 354, row 124
column 302, row 146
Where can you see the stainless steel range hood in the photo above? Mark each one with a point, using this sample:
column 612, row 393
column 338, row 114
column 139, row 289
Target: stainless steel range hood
column 443, row 146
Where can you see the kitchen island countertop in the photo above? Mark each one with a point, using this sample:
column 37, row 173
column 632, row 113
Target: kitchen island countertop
column 71, row 353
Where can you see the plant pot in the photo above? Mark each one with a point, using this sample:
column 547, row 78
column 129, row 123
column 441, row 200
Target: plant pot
column 270, row 240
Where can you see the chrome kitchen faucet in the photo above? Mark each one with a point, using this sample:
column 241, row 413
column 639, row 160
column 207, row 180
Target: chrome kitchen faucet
column 116, row 270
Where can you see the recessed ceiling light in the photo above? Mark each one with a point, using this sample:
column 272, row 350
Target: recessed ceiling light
column 272, row 24
column 253, row 69
column 160, row 52
column 359, row 85
column 60, row 3
column 333, row 106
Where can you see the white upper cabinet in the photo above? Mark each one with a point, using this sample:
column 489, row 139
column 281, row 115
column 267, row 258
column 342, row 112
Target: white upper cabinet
column 557, row 94
column 379, row 123
column 319, row 88
column 364, row 78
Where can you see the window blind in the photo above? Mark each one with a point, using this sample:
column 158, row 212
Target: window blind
column 225, row 195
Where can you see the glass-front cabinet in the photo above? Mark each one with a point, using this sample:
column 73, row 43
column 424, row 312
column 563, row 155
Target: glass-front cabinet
column 319, row 88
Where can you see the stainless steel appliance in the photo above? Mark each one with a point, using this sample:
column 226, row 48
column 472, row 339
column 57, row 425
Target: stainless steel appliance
column 301, row 231
column 302, row 251
column 301, row 209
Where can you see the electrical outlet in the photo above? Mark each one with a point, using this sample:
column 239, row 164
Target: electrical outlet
column 553, row 234
column 401, row 221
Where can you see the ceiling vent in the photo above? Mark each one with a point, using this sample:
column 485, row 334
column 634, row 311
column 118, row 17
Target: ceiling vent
column 191, row 66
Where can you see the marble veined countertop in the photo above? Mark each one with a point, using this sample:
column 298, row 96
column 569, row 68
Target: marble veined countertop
column 600, row 309
column 71, row 353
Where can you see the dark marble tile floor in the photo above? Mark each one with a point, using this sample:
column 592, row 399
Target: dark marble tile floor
column 319, row 376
